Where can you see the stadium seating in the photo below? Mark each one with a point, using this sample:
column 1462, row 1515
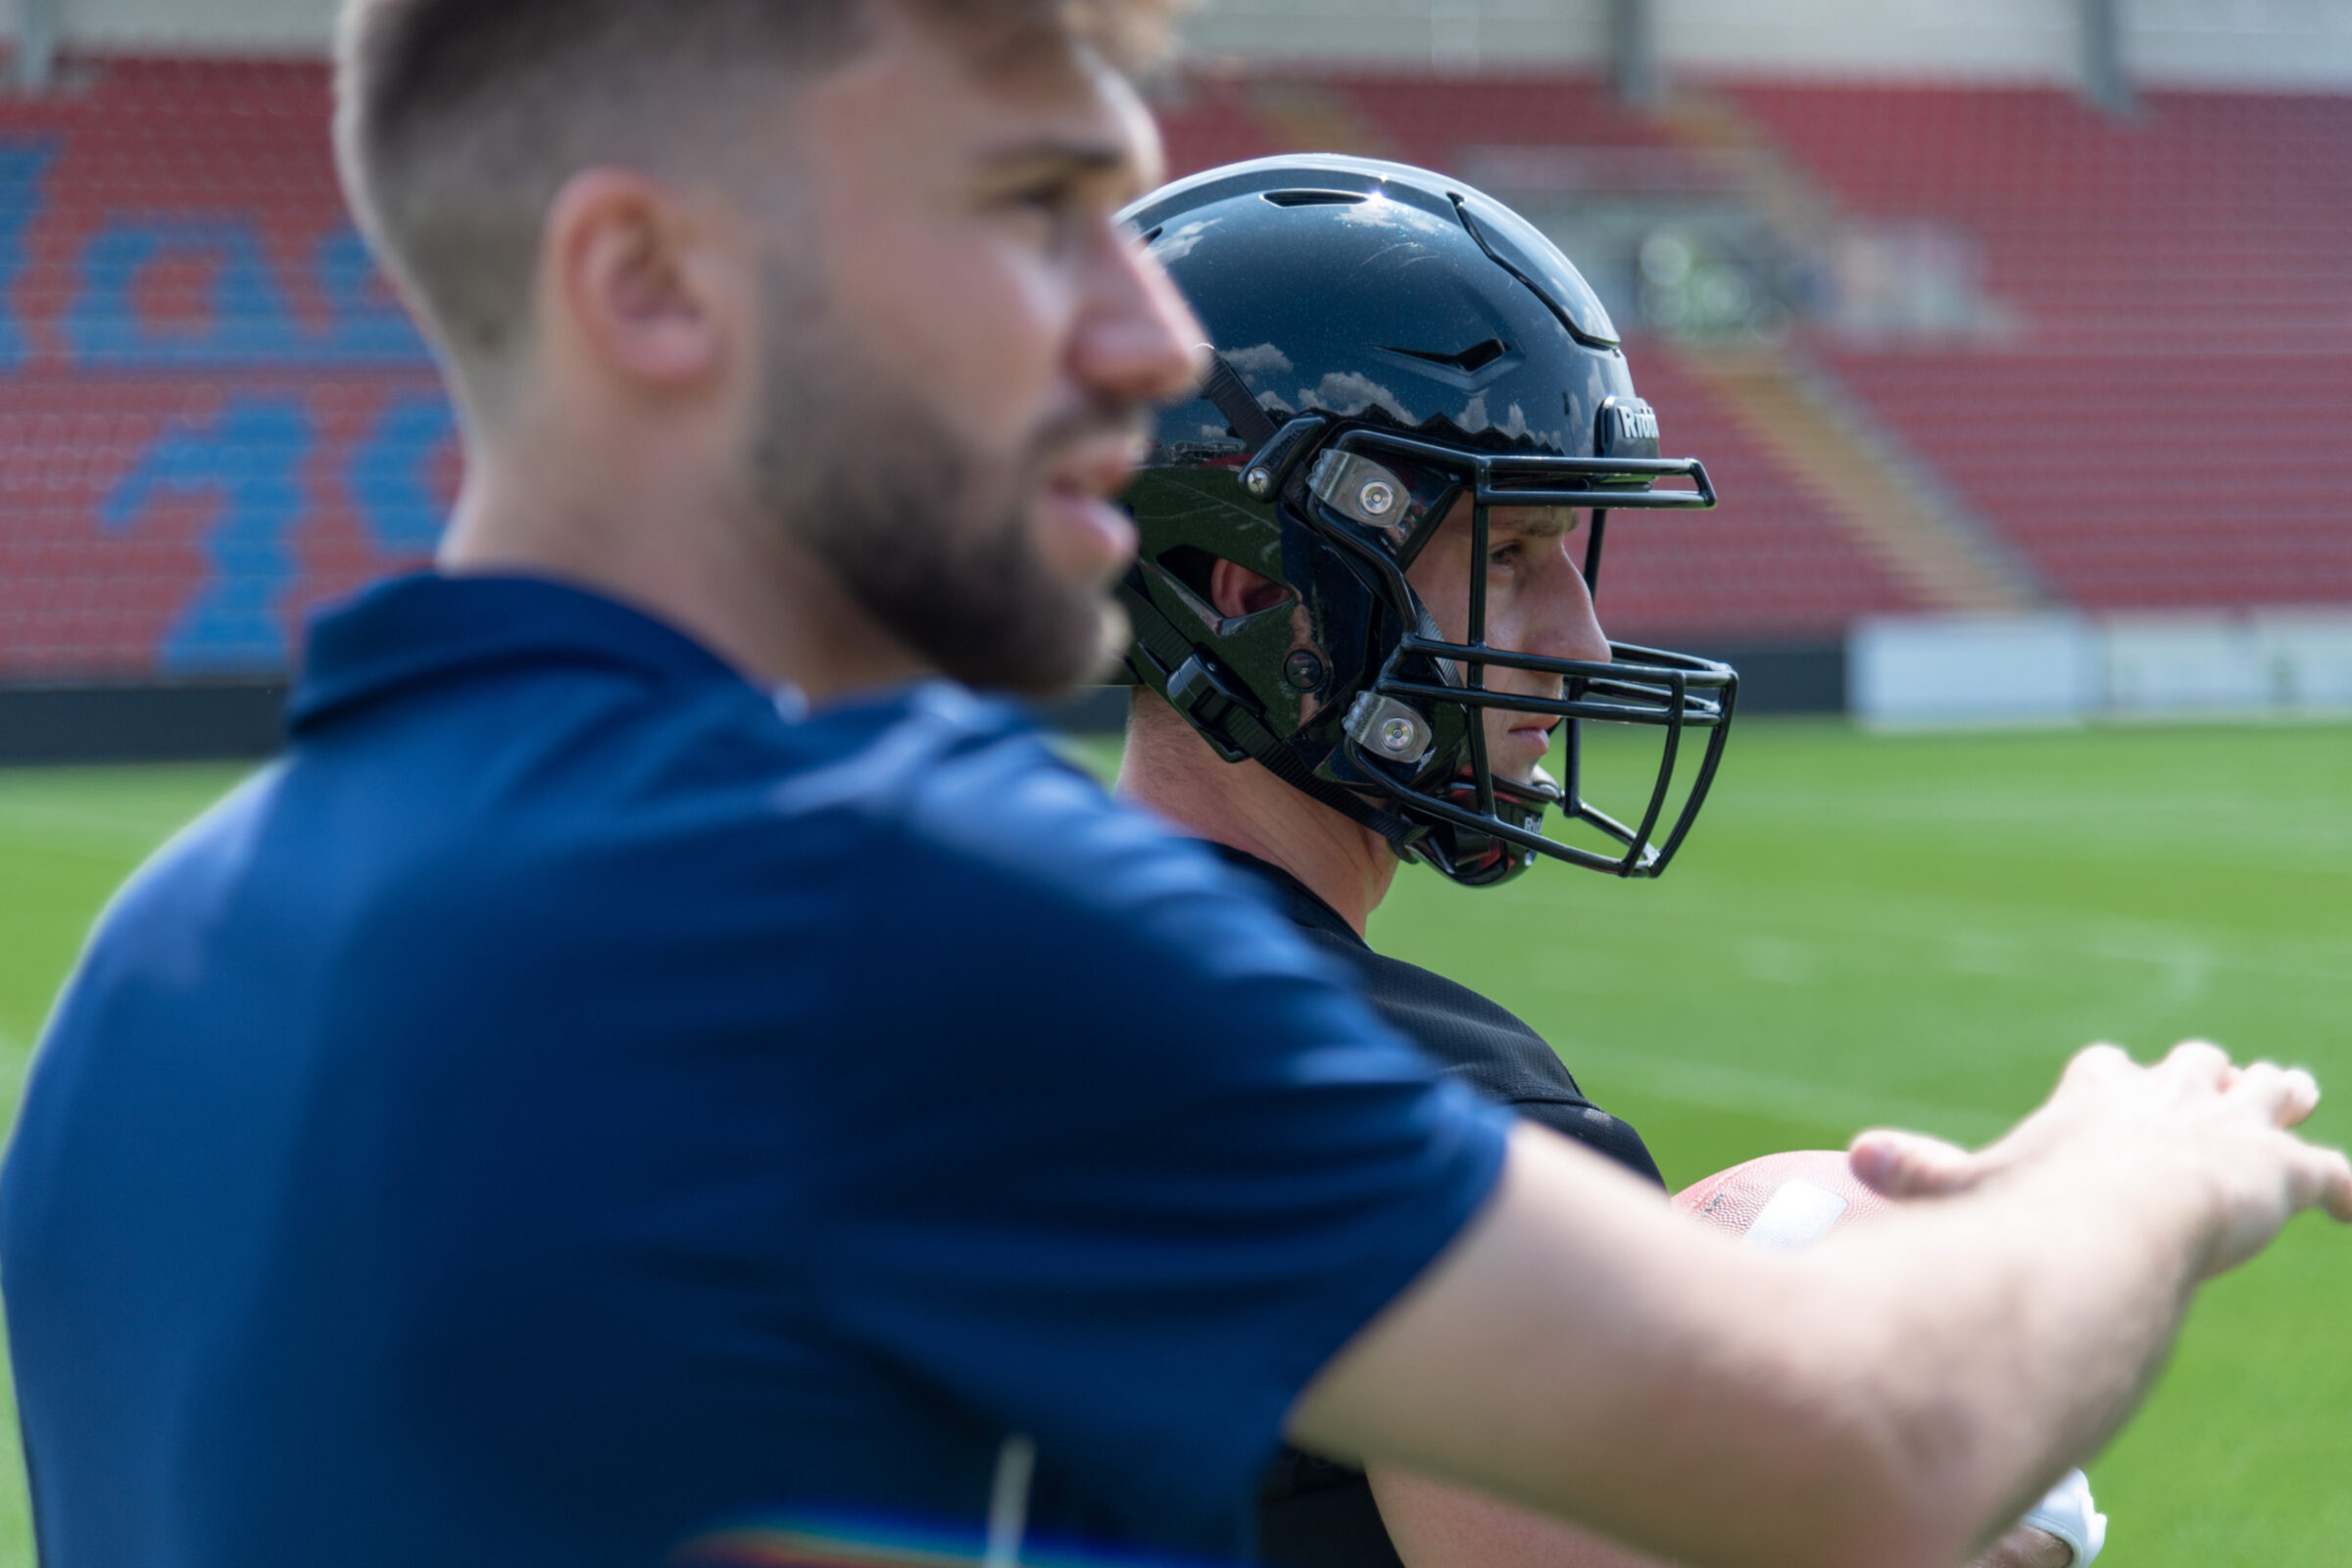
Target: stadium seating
column 1769, row 566
column 2207, row 219
column 1446, row 124
column 1206, row 120
column 2142, row 480
column 2166, row 425
column 213, row 414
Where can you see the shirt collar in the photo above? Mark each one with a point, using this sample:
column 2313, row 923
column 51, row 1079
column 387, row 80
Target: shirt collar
column 427, row 627
column 1299, row 900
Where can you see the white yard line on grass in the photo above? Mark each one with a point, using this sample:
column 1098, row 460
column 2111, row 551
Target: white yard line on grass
column 1721, row 1088
column 86, row 826
column 1941, row 923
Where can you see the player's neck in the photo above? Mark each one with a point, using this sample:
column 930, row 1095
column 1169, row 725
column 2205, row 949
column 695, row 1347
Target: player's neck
column 743, row 592
column 1170, row 769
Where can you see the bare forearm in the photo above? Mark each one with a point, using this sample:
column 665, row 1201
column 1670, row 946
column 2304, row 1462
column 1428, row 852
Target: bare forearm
column 1433, row 1524
column 1584, row 1351
column 2063, row 1289
column 1884, row 1401
column 1842, row 1410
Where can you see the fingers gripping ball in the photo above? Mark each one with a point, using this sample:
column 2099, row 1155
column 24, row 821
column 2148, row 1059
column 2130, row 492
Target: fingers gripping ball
column 1784, row 1203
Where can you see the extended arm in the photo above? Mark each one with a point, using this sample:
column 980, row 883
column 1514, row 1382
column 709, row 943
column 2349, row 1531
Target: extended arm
column 1438, row 1526
column 1434, row 1525
column 1884, row 1401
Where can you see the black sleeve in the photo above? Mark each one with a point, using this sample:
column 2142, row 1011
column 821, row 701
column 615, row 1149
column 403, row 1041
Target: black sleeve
column 1312, row 1513
column 1596, row 1129
column 1490, row 1049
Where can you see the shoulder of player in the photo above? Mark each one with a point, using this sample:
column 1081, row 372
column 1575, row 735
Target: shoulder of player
column 1465, row 1032
column 1409, row 983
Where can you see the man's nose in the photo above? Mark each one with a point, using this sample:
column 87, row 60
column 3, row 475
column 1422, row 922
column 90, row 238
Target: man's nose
column 1136, row 334
column 1567, row 625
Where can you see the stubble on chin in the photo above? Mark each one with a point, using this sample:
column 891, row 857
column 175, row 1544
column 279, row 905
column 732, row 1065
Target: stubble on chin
column 931, row 538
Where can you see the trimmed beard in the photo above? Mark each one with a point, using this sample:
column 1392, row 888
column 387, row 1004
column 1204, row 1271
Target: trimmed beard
column 931, row 537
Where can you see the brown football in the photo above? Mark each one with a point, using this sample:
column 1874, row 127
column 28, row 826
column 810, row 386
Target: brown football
column 1784, row 1202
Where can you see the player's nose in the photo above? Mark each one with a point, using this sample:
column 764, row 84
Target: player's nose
column 1136, row 334
column 1565, row 623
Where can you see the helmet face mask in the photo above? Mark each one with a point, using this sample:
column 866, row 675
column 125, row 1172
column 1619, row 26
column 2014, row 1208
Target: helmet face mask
column 1441, row 367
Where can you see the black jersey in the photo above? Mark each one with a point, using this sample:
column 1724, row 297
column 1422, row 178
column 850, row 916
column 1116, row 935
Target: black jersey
column 1313, row 1513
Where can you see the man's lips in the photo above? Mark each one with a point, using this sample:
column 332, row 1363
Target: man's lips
column 1095, row 538
column 1531, row 733
column 1097, row 467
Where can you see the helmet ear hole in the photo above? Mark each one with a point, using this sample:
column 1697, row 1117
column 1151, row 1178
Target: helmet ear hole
column 1237, row 591
column 1227, row 588
column 1191, row 565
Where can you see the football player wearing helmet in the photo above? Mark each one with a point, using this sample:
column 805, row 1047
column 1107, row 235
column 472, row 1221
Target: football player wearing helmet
column 1369, row 551
column 1397, row 360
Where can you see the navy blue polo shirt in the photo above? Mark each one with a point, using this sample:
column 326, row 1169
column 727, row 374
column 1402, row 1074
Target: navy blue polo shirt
column 574, row 1105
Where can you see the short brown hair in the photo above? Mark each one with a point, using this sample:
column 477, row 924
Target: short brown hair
column 459, row 121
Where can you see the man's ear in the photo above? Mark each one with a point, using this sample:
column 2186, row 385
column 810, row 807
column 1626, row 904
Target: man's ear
column 638, row 276
column 1234, row 590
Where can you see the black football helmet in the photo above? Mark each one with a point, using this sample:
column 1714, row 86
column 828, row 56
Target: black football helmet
column 1385, row 341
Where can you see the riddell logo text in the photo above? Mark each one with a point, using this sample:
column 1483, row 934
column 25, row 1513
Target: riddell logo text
column 1635, row 423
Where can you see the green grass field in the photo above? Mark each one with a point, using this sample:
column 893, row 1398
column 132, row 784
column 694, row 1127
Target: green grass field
column 1914, row 930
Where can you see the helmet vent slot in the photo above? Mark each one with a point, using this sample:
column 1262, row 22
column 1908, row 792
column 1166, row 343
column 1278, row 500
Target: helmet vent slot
column 1477, row 357
column 1315, row 198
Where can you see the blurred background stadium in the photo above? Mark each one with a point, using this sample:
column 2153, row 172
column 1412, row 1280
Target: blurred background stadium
column 2032, row 309
column 2017, row 334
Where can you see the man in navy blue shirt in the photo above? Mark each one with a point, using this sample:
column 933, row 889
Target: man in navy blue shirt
column 661, row 1074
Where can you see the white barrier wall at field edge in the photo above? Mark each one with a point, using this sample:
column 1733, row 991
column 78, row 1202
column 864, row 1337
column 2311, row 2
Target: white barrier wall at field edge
column 2062, row 667
column 2312, row 653
column 2004, row 669
column 2165, row 664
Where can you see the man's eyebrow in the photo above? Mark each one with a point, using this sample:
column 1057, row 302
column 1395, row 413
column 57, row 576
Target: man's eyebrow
column 1060, row 155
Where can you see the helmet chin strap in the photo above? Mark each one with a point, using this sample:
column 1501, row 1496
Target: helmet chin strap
column 1231, row 725
column 1230, row 397
column 1228, row 722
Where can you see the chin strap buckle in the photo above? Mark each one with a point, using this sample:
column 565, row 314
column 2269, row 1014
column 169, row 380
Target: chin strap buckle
column 1200, row 694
